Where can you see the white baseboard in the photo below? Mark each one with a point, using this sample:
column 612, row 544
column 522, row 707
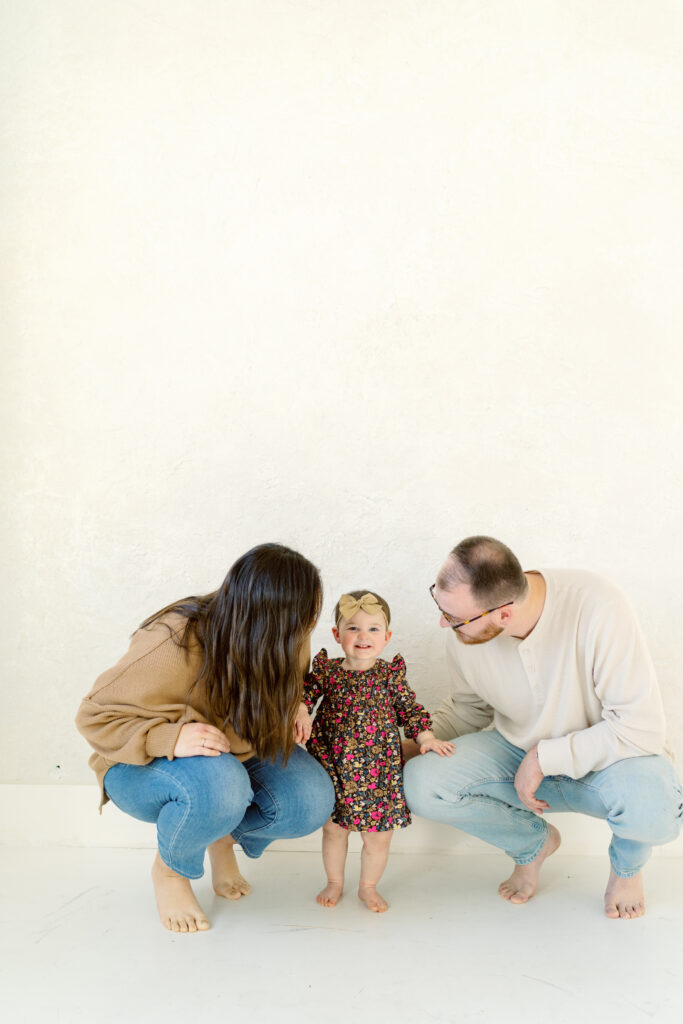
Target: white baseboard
column 67, row 816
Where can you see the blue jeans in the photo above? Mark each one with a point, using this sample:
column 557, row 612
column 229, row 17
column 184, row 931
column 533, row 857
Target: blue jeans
column 639, row 797
column 196, row 800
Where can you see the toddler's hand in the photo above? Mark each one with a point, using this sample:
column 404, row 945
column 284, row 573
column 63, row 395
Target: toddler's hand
column 302, row 725
column 428, row 741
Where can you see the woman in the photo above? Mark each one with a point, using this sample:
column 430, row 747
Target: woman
column 196, row 727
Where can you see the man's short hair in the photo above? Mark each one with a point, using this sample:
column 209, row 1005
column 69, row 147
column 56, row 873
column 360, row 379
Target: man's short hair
column 488, row 567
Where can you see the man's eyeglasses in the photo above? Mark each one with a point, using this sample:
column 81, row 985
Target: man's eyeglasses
column 453, row 622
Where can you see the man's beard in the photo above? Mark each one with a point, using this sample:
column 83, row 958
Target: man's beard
column 489, row 633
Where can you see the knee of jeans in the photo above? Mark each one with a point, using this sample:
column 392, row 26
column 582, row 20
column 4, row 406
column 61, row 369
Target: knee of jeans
column 320, row 805
column 236, row 792
column 656, row 818
column 226, row 784
column 422, row 790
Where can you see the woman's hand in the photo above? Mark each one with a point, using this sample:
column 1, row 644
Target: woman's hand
column 427, row 741
column 199, row 739
column 302, row 725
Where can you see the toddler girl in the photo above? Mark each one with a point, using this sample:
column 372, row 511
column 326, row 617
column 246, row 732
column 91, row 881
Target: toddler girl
column 355, row 737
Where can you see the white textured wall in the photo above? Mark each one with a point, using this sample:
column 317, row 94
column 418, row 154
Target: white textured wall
column 362, row 277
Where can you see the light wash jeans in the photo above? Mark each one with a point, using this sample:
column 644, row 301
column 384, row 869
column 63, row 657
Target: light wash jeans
column 473, row 790
column 196, row 800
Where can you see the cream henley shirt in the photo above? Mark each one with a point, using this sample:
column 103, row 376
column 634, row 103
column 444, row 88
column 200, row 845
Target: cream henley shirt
column 581, row 685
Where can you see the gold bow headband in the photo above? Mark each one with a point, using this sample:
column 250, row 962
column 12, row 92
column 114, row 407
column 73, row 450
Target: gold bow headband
column 348, row 606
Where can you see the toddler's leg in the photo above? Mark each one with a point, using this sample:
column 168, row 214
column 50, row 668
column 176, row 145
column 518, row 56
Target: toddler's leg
column 373, row 861
column 335, row 846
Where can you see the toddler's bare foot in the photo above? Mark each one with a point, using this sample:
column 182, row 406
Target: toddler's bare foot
column 329, row 896
column 624, row 896
column 225, row 875
column 523, row 882
column 178, row 908
column 372, row 899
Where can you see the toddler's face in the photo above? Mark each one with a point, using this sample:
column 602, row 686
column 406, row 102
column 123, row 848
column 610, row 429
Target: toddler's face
column 363, row 638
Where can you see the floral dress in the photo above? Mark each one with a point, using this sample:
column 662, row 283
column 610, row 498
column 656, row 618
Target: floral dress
column 355, row 738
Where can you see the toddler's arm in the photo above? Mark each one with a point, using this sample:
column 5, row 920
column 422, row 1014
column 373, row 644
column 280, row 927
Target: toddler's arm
column 409, row 713
column 303, row 724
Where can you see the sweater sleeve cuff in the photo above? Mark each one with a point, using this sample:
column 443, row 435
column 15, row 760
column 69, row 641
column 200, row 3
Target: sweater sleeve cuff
column 554, row 756
column 161, row 739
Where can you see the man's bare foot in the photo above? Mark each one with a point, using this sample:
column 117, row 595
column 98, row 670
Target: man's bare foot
column 225, row 875
column 624, row 896
column 523, row 882
column 372, row 899
column 178, row 908
column 329, row 896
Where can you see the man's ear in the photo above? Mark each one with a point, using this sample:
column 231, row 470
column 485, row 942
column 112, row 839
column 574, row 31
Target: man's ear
column 505, row 615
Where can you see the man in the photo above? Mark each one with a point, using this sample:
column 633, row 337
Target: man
column 557, row 662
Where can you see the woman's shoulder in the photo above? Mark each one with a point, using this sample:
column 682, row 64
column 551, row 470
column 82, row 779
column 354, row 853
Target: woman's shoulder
column 155, row 649
column 169, row 630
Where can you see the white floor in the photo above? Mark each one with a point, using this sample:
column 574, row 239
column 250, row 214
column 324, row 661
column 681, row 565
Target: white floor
column 81, row 942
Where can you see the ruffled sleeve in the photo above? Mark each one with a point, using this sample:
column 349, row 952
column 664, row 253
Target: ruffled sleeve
column 409, row 713
column 314, row 682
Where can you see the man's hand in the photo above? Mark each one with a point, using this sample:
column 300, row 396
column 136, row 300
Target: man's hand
column 302, row 725
column 527, row 780
column 199, row 739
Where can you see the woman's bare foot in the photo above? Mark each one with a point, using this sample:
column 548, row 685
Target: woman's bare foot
column 329, row 896
column 372, row 899
column 523, row 882
column 178, row 908
column 225, row 875
column 624, row 897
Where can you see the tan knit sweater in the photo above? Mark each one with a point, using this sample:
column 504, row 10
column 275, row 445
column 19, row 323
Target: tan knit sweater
column 136, row 709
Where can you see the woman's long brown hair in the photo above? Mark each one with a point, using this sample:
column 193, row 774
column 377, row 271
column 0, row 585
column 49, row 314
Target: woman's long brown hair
column 252, row 631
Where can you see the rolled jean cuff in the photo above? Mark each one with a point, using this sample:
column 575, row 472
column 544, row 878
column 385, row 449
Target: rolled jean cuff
column 184, row 870
column 250, row 846
column 620, row 873
column 528, row 858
